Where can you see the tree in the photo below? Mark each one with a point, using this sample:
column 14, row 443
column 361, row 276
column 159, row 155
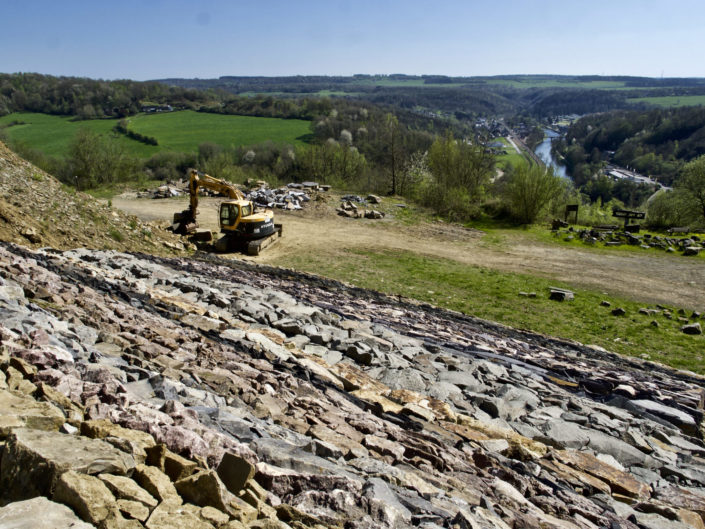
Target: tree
column 461, row 172
column 393, row 148
column 95, row 159
column 530, row 189
column 692, row 181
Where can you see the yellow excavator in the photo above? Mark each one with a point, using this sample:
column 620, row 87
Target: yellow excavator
column 244, row 226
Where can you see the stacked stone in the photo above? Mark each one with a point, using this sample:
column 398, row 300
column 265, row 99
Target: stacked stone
column 145, row 392
column 691, row 245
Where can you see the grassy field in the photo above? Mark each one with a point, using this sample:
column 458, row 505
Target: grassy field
column 175, row 131
column 671, row 101
column 401, row 83
column 183, row 131
column 550, row 82
column 510, row 156
column 53, row 134
column 494, row 295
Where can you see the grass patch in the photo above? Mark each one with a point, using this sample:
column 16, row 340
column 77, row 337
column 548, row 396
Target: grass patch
column 671, row 101
column 510, row 156
column 494, row 295
column 108, row 191
column 176, row 131
column 184, row 131
column 537, row 81
column 116, row 235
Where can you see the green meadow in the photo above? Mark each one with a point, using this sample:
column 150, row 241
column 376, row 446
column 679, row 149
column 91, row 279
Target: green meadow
column 671, row 101
column 175, row 131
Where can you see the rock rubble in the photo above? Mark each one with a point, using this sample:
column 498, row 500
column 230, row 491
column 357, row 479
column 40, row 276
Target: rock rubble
column 139, row 391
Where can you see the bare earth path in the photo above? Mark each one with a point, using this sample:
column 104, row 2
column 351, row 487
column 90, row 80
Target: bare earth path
column 649, row 277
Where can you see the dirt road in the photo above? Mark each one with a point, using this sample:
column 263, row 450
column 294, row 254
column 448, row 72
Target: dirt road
column 649, row 277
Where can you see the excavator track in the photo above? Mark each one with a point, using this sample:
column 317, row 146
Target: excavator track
column 256, row 246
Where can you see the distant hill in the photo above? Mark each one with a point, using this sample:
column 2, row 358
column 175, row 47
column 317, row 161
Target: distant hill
column 538, row 95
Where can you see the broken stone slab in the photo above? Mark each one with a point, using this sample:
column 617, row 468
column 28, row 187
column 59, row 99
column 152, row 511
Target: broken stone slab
column 86, row 495
column 169, row 516
column 24, row 412
column 381, row 497
column 619, row 482
column 205, row 489
column 563, row 434
column 683, row 420
column 560, row 294
column 33, row 460
column 157, row 484
column 40, row 512
column 656, row 521
column 623, row 452
column 125, row 488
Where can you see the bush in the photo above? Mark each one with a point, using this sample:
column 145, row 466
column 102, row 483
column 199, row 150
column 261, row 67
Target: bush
column 670, row 209
column 530, row 189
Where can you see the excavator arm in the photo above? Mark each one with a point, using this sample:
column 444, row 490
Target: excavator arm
column 218, row 185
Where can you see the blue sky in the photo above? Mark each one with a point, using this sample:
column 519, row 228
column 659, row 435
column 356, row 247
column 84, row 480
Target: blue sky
column 153, row 39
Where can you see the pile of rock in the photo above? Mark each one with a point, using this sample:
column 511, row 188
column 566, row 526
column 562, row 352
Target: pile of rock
column 285, row 400
column 688, row 245
column 348, row 207
column 292, row 197
column 170, row 190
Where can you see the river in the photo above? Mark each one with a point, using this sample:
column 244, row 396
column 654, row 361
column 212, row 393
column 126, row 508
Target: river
column 543, row 151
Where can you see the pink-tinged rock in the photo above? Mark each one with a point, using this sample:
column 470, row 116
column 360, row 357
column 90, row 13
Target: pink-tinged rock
column 181, row 441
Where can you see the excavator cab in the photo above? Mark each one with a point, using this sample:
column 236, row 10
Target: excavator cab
column 230, row 215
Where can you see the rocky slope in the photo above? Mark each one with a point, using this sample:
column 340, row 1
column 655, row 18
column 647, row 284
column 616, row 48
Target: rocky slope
column 36, row 210
column 168, row 392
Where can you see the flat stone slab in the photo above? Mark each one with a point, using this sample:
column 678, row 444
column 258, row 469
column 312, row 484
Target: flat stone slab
column 25, row 412
column 39, row 512
column 34, row 459
column 619, row 482
column 680, row 418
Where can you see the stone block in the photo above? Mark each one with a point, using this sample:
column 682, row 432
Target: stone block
column 173, row 465
column 133, row 509
column 125, row 488
column 157, row 483
column 100, row 429
column 86, row 495
column 235, row 472
column 39, row 512
column 33, row 460
column 17, row 411
column 170, row 516
column 205, row 489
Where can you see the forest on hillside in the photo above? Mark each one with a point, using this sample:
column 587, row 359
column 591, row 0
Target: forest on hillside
column 656, row 142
